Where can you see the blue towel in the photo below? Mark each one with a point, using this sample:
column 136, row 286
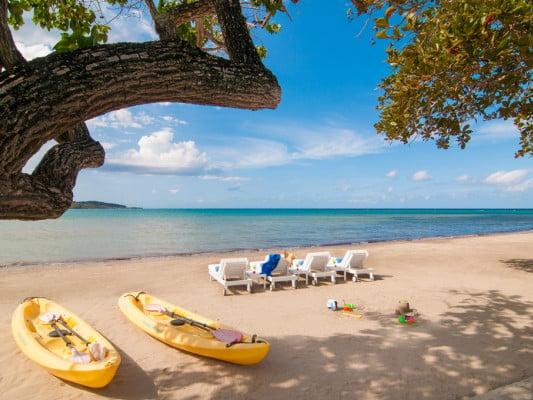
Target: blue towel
column 270, row 264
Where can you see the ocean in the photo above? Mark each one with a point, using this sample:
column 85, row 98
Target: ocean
column 123, row 233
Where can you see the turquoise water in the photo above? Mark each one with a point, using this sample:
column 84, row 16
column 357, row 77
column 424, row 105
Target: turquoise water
column 102, row 234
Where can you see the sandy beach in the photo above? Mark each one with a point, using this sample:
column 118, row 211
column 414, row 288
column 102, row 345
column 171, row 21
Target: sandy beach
column 475, row 332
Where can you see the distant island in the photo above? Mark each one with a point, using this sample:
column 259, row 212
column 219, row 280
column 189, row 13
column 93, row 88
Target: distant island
column 97, row 204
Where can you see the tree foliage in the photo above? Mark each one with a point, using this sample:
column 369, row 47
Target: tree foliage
column 85, row 23
column 453, row 61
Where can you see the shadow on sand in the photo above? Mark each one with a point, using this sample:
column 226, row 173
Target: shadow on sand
column 482, row 342
column 522, row 264
column 131, row 382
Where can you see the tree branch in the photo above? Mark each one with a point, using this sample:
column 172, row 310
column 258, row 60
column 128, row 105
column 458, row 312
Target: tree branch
column 47, row 193
column 9, row 54
column 184, row 13
column 236, row 35
column 55, row 93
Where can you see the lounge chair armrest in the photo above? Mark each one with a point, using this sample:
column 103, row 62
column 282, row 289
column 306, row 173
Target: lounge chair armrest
column 214, row 268
column 256, row 266
column 297, row 262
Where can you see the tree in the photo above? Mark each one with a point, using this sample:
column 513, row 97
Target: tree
column 51, row 97
column 453, row 61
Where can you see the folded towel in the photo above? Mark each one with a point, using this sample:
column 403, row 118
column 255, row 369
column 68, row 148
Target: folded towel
column 270, row 265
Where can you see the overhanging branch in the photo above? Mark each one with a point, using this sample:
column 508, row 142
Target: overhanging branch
column 55, row 93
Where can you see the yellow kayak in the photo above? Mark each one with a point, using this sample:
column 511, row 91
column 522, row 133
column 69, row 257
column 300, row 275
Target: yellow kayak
column 187, row 337
column 41, row 341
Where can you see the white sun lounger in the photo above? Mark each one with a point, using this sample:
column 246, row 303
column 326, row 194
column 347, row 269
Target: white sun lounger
column 352, row 263
column 279, row 274
column 314, row 265
column 282, row 274
column 230, row 272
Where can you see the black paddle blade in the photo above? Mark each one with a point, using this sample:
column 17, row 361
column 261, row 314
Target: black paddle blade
column 177, row 322
column 56, row 333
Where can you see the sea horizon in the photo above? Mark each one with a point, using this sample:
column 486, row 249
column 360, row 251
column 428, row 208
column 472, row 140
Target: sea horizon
column 108, row 234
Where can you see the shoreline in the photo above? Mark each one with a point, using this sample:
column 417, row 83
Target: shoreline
column 28, row 265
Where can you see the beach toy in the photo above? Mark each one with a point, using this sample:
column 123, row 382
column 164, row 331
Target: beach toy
column 406, row 319
column 351, row 315
column 348, row 307
column 332, row 304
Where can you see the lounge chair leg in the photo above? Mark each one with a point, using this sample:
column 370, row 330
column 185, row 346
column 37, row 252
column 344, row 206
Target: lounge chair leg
column 307, row 280
column 334, row 279
column 293, row 282
column 224, row 292
column 249, row 288
column 371, row 276
column 345, row 276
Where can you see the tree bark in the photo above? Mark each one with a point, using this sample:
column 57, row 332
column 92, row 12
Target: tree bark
column 236, row 36
column 9, row 54
column 47, row 192
column 187, row 12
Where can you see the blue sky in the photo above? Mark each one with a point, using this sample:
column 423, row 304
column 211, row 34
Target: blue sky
column 317, row 149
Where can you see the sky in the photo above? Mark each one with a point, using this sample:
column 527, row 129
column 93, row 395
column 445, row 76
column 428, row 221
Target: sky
column 317, row 149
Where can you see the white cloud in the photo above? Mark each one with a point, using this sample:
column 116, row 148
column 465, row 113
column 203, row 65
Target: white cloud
column 121, row 119
column 392, row 174
column 332, row 142
column 108, row 145
column 121, row 27
column 173, row 191
column 506, row 177
column 324, row 143
column 158, row 154
column 462, row 178
column 144, row 119
column 498, row 129
column 34, row 50
column 174, row 120
column 421, row 176
column 223, row 178
column 344, row 187
column 390, row 189
column 249, row 153
column 33, row 41
column 520, row 187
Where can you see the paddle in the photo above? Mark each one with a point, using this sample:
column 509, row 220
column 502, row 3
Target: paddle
column 227, row 336
column 76, row 356
column 55, row 334
column 98, row 352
